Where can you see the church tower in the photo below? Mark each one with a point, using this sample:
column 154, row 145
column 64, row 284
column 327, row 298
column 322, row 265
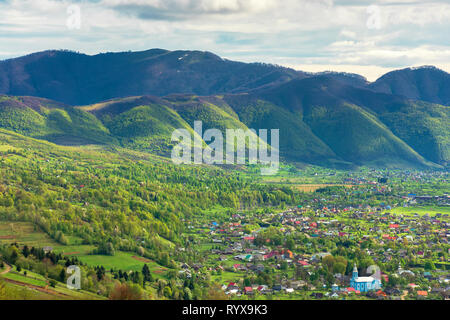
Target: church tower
column 355, row 272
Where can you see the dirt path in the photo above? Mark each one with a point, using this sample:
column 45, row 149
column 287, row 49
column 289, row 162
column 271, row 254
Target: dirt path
column 7, row 269
column 141, row 259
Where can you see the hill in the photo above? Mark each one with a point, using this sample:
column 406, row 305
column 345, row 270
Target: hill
column 137, row 99
column 52, row 121
column 128, row 198
column 78, row 79
column 362, row 126
column 321, row 121
column 146, row 123
column 425, row 83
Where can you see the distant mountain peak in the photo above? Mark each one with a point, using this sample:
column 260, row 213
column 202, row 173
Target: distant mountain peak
column 427, row 83
column 418, row 68
column 337, row 73
column 424, row 67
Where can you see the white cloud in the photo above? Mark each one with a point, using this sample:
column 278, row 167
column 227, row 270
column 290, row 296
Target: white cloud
column 348, row 34
column 308, row 33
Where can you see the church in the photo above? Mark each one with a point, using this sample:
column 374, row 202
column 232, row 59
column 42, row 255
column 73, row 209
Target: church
column 364, row 284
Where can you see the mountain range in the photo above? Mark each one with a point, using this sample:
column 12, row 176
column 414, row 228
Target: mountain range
column 137, row 99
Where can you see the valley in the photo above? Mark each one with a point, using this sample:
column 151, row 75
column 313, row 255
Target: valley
column 130, row 219
column 87, row 180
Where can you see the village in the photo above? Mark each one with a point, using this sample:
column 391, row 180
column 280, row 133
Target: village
column 322, row 250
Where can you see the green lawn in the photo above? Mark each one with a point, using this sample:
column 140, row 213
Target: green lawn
column 74, row 250
column 121, row 260
column 227, row 277
column 39, row 280
column 26, row 279
column 16, row 292
column 420, row 210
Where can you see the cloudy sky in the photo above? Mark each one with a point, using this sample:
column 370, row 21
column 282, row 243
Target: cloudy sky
column 360, row 36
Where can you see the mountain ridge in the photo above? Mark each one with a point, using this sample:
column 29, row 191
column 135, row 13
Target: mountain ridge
column 342, row 133
column 79, row 79
column 324, row 118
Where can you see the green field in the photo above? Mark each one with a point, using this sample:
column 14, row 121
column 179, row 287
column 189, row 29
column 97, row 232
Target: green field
column 420, row 210
column 22, row 293
column 7, row 147
column 121, row 260
column 34, row 279
column 38, row 280
column 24, row 233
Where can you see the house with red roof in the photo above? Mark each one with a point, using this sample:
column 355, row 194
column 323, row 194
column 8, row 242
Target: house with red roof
column 350, row 290
column 380, row 293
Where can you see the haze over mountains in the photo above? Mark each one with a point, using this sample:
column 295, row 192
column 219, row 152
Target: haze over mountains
column 402, row 119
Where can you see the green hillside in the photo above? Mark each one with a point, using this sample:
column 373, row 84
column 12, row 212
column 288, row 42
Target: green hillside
column 123, row 195
column 147, row 123
column 363, row 126
column 424, row 126
column 358, row 136
column 316, row 124
column 297, row 141
column 143, row 127
column 214, row 113
column 212, row 116
column 44, row 119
